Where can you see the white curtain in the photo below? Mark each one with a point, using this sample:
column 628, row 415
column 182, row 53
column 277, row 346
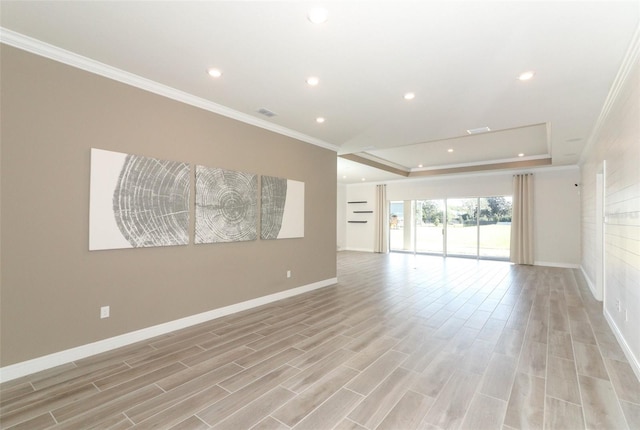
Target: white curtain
column 381, row 219
column 522, row 220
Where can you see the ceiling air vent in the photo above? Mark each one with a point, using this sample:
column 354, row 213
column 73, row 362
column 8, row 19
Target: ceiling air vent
column 266, row 112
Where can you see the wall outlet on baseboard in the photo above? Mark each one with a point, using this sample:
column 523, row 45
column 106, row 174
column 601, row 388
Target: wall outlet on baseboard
column 104, row 312
column 288, row 273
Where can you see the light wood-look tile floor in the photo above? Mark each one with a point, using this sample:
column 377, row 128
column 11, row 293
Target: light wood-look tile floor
column 401, row 342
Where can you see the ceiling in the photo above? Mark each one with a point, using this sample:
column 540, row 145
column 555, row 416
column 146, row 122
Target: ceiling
column 460, row 59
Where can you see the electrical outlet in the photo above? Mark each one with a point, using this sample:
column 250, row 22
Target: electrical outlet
column 618, row 308
column 626, row 315
column 288, row 273
column 104, row 312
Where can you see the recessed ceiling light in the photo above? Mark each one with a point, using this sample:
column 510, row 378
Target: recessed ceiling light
column 215, row 73
column 313, row 81
column 320, row 120
column 409, row 96
column 318, row 15
column 420, row 165
column 525, row 76
column 450, row 150
column 478, row 130
column 363, row 179
column 344, row 176
column 521, row 155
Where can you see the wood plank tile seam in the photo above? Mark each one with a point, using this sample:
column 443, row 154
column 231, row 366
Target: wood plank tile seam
column 401, row 342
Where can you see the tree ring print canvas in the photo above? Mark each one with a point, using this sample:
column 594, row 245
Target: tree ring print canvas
column 226, row 205
column 137, row 201
column 282, row 211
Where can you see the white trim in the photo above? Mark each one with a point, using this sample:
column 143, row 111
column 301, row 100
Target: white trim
column 633, row 361
column 51, row 52
column 629, row 61
column 555, row 264
column 348, row 248
column 377, row 159
column 28, row 367
column 591, row 285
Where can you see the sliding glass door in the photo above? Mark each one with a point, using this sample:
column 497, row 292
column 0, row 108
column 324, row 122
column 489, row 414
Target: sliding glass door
column 396, row 226
column 430, row 226
column 463, row 227
column 495, row 227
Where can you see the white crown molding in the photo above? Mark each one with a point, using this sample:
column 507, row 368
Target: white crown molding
column 69, row 58
column 629, row 61
column 28, row 367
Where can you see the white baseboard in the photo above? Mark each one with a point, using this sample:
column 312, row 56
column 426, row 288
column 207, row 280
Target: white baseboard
column 633, row 360
column 358, row 249
column 28, row 367
column 591, row 285
column 554, row 264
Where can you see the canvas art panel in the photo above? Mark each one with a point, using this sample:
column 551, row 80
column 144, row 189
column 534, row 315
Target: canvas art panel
column 137, row 201
column 282, row 211
column 226, row 205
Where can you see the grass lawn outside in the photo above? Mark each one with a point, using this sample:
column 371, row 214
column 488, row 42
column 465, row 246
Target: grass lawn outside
column 494, row 240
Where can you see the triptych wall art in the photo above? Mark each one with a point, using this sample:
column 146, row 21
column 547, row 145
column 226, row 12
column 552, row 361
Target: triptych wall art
column 138, row 201
column 282, row 208
column 226, row 205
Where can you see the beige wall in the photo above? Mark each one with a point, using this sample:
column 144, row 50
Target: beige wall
column 556, row 217
column 618, row 143
column 341, row 218
column 52, row 287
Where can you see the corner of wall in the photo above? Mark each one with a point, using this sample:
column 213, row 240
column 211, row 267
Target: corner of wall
column 592, row 286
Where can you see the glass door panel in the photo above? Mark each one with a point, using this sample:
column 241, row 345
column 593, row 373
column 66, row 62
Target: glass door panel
column 430, row 226
column 462, row 227
column 396, row 226
column 495, row 226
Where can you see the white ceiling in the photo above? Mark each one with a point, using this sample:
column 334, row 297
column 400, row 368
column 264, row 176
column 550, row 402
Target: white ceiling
column 461, row 59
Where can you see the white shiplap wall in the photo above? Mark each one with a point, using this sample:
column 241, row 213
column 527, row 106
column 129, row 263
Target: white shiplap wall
column 616, row 140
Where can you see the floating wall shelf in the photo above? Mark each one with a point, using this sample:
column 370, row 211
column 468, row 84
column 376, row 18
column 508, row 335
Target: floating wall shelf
column 359, row 212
